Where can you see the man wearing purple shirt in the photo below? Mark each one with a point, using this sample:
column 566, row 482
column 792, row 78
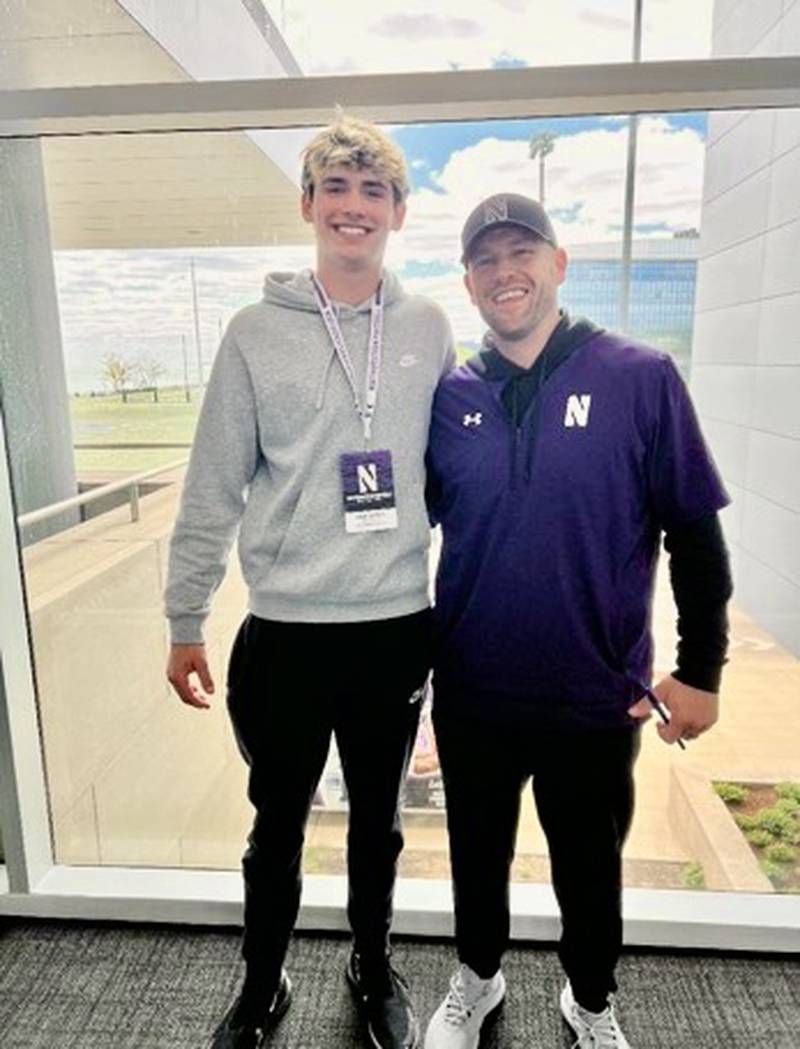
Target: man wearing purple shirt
column 558, row 456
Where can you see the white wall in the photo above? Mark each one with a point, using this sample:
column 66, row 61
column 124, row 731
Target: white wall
column 746, row 350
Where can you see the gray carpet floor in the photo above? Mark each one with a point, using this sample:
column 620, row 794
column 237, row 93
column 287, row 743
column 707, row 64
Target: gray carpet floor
column 97, row 986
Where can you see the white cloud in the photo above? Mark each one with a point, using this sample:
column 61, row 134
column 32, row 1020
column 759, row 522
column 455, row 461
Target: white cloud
column 585, row 176
column 471, row 34
column 140, row 303
column 424, row 26
column 586, row 171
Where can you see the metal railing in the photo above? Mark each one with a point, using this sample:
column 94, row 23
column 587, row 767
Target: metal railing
column 132, row 484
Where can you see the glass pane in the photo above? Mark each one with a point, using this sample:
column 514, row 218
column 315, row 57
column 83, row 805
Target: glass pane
column 101, row 269
column 95, row 42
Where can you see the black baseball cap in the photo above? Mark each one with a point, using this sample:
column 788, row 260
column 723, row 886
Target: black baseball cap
column 505, row 209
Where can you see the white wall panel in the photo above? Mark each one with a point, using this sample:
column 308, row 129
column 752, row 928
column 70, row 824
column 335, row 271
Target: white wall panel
column 746, row 25
column 773, row 470
column 776, row 401
column 771, row 533
column 729, row 445
column 779, row 329
column 730, row 277
column 744, row 150
column 784, row 195
column 768, row 596
column 724, row 394
column 787, row 130
column 781, row 275
column 737, row 215
column 727, row 336
column 790, row 28
column 721, row 122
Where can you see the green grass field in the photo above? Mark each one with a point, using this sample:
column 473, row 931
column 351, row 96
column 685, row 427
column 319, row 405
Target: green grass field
column 107, row 420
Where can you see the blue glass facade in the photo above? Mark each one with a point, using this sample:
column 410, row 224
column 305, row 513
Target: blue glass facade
column 661, row 300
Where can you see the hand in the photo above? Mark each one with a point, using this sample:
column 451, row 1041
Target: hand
column 186, row 660
column 692, row 711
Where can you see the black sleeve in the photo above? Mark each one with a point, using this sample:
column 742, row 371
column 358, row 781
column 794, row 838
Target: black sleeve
column 700, row 574
column 433, row 492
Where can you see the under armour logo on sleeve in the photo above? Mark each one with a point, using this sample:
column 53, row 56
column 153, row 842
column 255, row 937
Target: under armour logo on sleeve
column 475, row 419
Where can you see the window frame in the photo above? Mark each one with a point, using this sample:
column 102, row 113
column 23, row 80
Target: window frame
column 34, row 885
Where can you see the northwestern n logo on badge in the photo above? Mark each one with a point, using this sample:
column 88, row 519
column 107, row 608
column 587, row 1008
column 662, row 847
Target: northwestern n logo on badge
column 367, row 474
column 577, row 413
column 495, row 211
column 368, row 491
column 474, row 419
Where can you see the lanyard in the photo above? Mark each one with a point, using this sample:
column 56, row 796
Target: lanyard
column 331, row 321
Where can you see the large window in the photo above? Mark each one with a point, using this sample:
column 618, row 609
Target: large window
column 122, row 258
column 139, row 325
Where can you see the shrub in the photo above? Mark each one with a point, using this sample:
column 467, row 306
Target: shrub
column 693, row 876
column 776, row 873
column 779, row 824
column 758, row 837
column 780, row 853
column 788, row 790
column 745, row 822
column 732, row 793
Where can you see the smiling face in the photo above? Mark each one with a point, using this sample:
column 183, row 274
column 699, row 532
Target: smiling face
column 353, row 210
column 513, row 277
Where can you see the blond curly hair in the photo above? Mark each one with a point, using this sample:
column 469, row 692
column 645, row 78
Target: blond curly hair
column 355, row 144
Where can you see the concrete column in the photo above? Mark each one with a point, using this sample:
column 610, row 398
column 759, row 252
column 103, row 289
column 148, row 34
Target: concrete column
column 33, row 384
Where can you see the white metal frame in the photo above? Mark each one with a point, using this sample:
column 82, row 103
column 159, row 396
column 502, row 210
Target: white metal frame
column 624, row 87
column 37, row 886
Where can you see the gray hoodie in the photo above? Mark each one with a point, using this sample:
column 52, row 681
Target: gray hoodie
column 277, row 414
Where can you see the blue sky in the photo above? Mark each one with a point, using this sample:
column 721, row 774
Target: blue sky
column 138, row 303
column 429, row 146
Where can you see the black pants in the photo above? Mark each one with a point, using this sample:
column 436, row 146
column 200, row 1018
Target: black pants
column 290, row 685
column 583, row 789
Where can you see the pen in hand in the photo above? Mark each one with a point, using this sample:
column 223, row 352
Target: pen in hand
column 658, row 707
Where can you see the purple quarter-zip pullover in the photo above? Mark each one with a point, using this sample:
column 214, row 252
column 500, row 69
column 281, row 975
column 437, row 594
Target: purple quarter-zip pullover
column 551, row 530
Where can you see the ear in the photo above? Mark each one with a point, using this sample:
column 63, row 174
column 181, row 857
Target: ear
column 470, row 287
column 560, row 261
column 305, row 206
column 399, row 215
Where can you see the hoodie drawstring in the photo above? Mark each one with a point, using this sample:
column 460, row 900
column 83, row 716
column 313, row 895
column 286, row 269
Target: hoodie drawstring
column 323, row 382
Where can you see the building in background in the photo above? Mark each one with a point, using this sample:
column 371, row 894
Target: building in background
column 663, row 277
column 745, row 374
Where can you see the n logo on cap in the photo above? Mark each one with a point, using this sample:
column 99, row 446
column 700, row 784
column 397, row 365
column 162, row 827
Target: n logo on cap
column 495, row 210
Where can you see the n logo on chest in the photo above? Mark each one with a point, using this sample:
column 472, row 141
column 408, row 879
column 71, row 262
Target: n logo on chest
column 577, row 413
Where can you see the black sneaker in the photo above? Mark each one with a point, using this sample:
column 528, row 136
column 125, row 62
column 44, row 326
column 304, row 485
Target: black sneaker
column 383, row 1001
column 242, row 1028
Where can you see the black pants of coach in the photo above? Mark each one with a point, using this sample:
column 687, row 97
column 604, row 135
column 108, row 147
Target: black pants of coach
column 583, row 790
column 290, row 686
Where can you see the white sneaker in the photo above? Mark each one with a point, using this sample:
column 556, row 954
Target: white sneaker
column 457, row 1022
column 594, row 1030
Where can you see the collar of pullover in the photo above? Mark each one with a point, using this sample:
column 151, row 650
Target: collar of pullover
column 518, row 386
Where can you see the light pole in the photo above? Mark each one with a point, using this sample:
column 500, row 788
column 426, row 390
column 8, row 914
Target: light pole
column 630, row 187
column 185, row 356
column 540, row 146
column 196, row 313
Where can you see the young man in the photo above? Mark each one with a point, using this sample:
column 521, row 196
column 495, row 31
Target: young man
column 311, row 442
column 558, row 456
